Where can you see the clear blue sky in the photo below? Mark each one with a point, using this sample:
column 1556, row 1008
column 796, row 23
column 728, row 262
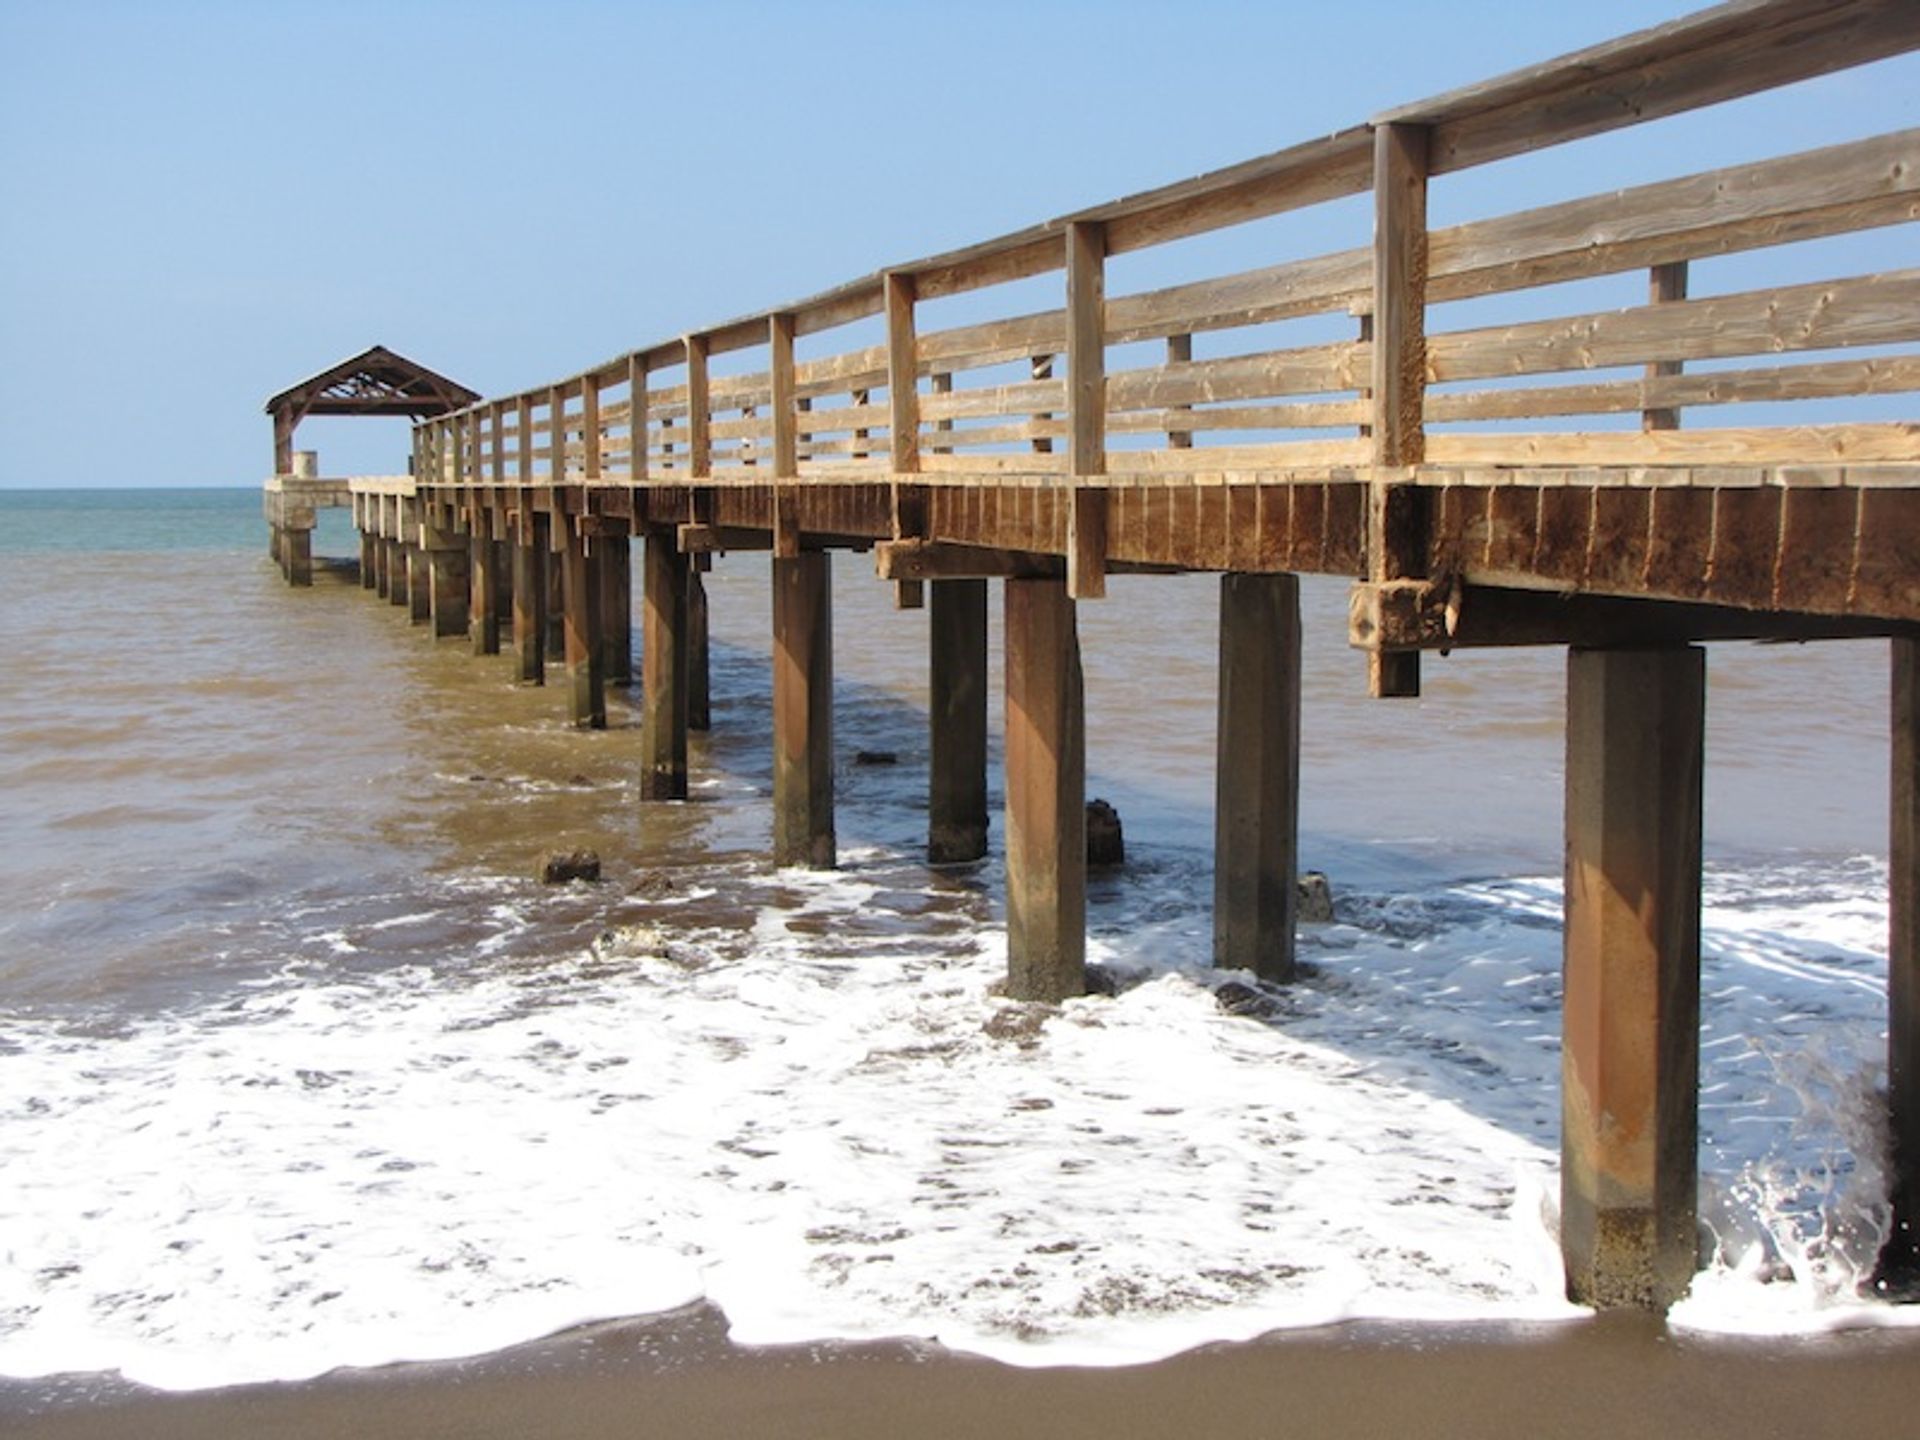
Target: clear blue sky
column 205, row 202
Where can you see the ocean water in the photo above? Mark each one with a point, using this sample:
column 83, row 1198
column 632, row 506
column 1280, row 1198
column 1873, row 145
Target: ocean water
column 299, row 1068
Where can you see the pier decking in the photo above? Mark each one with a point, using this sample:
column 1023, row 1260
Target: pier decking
column 1551, row 477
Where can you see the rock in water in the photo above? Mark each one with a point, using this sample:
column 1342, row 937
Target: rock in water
column 875, row 757
column 558, row 867
column 1314, row 901
column 1106, row 844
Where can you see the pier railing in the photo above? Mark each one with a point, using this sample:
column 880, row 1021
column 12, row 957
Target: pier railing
column 1221, row 395
column 1518, row 477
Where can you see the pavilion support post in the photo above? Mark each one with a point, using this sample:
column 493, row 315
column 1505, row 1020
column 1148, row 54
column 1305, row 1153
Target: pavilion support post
column 803, row 711
column 284, row 421
column 1046, row 839
column 699, row 680
column 1257, row 775
column 530, row 599
column 1900, row 1260
column 663, row 658
column 1630, row 1048
column 369, row 561
column 586, row 661
column 616, row 606
column 483, row 609
column 957, row 782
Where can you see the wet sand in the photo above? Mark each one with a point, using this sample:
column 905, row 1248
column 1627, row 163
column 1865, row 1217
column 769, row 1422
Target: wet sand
column 1619, row 1377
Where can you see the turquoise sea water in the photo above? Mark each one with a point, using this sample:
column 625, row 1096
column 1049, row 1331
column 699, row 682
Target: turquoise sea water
column 148, row 521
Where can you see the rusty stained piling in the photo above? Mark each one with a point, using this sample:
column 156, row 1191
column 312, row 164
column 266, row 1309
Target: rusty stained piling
column 699, row 691
column 449, row 581
column 530, row 563
column 1046, row 794
column 957, row 722
column 580, row 620
column 803, row 832
column 1900, row 1260
column 483, row 600
column 1257, row 775
column 1630, row 1051
column 666, row 588
column 615, row 570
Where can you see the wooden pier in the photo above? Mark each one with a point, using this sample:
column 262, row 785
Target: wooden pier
column 1552, row 480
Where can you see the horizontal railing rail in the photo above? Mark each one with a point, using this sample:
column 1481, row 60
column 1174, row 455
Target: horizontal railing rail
column 1066, row 394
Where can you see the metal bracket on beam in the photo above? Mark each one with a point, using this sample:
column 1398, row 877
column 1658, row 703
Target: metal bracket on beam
column 1411, row 615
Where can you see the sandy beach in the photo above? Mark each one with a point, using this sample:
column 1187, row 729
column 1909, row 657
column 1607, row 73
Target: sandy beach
column 1618, row 1377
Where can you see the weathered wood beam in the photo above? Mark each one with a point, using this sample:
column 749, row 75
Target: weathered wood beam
column 1714, row 55
column 1433, row 615
column 936, row 560
column 704, row 539
column 1631, row 1031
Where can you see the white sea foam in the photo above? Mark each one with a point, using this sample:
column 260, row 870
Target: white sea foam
column 830, row 1127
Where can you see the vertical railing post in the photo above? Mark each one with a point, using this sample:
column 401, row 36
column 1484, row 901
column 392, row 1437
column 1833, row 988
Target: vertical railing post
column 898, row 296
column 786, row 436
column 1040, row 367
column 699, row 413
column 1086, row 408
column 803, row 826
column 1396, row 531
column 1180, row 352
column 637, row 417
column 556, row 436
column 1666, row 284
column 590, row 427
column 942, row 384
column 699, row 467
